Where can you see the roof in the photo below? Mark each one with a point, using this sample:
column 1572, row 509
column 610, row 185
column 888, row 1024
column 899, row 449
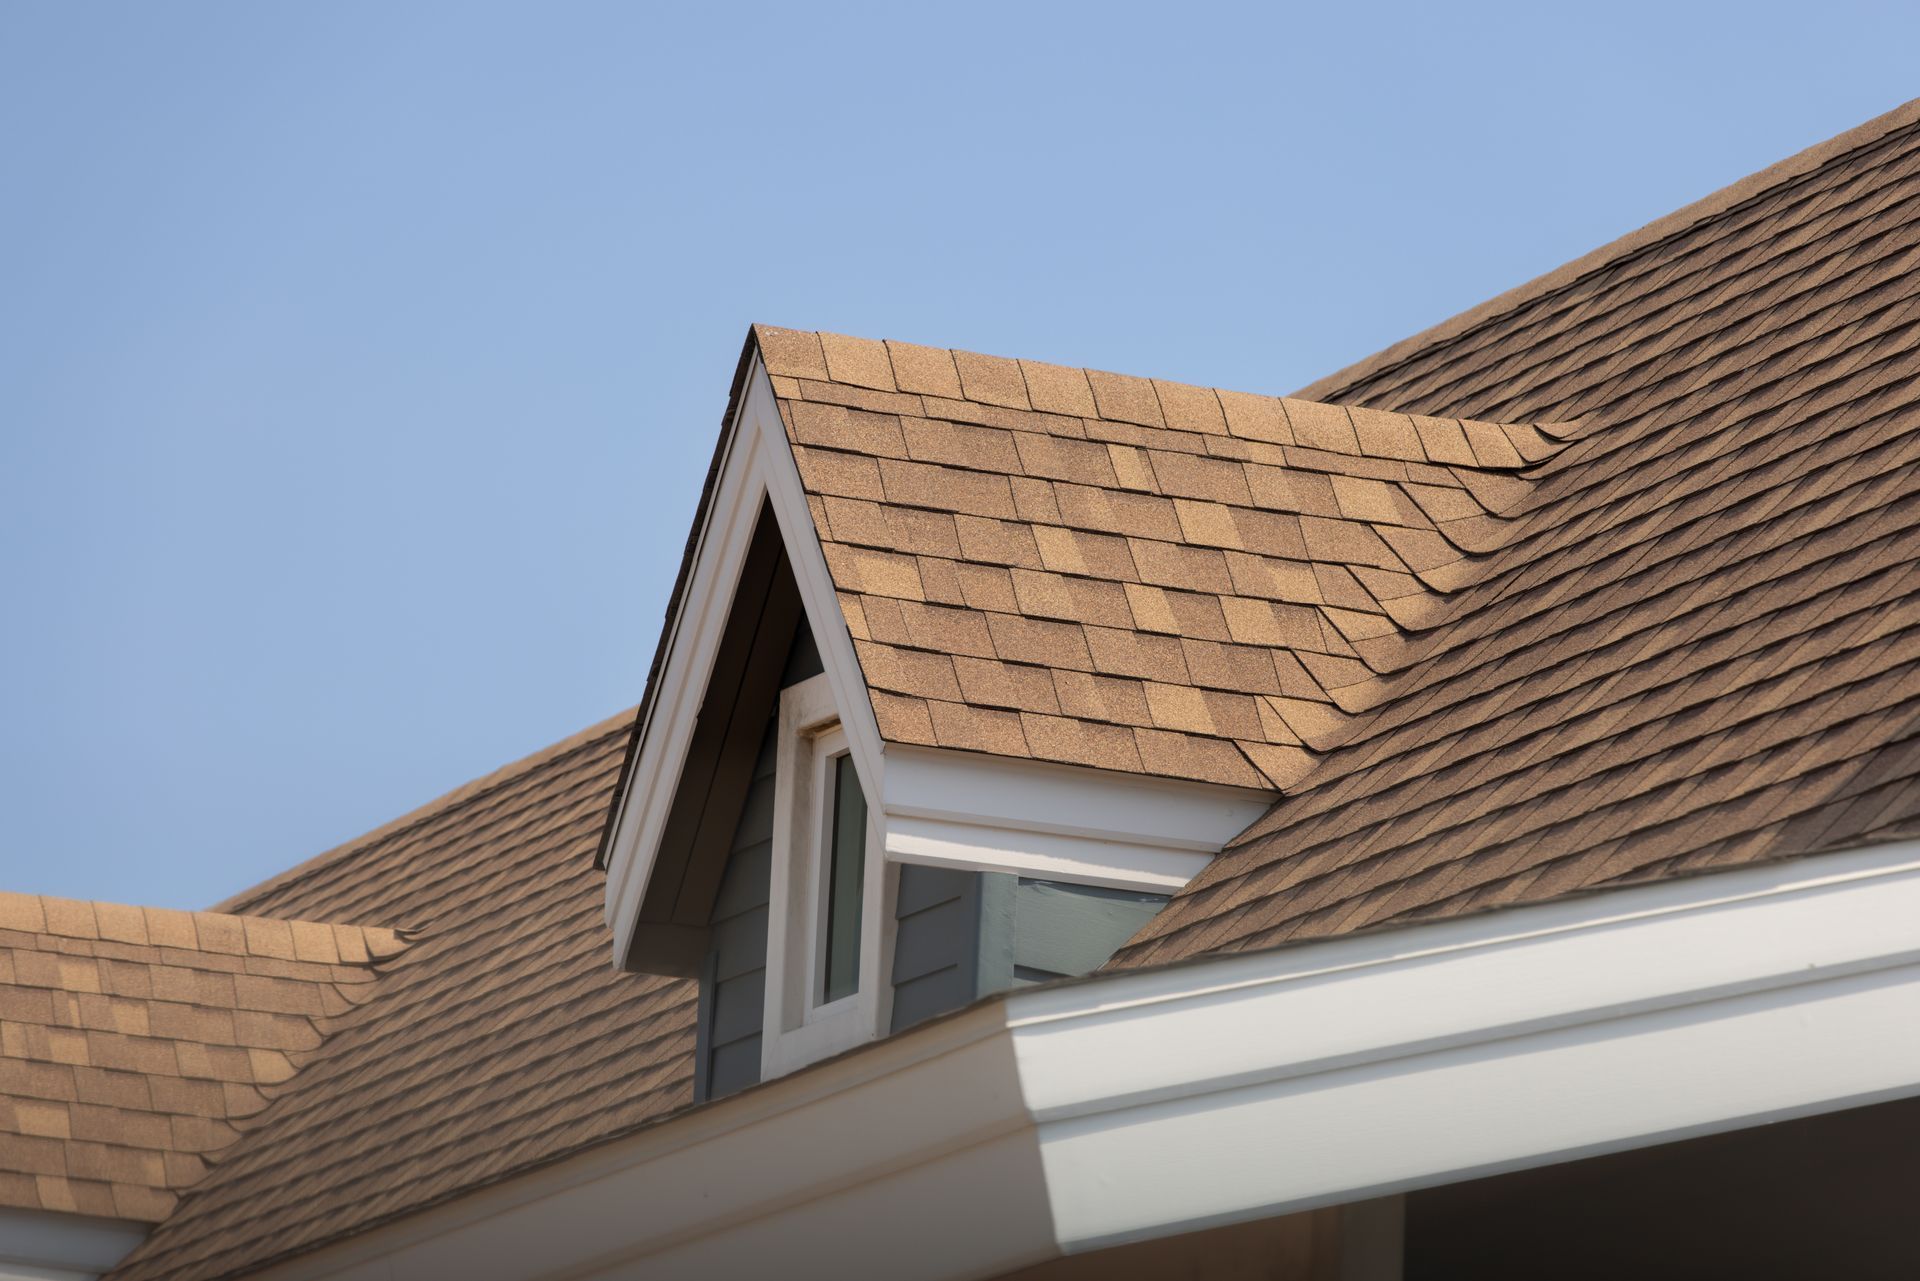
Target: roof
column 1684, row 642
column 135, row 1043
column 1127, row 573
column 1696, row 648
column 501, row 1038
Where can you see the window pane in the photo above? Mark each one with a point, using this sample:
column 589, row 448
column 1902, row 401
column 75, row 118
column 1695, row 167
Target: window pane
column 846, row 876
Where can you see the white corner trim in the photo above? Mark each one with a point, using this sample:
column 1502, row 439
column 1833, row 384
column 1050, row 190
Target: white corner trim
column 1057, row 822
column 47, row 1245
column 758, row 468
column 761, row 416
column 1070, row 1116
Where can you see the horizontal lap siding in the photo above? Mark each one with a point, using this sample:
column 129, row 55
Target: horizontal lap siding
column 961, row 935
column 1061, row 930
column 937, row 926
column 734, row 985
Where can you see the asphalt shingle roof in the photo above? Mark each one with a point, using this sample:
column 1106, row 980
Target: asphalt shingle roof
column 1677, row 635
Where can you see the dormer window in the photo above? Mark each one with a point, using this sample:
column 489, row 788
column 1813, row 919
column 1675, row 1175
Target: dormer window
column 828, row 893
column 877, row 774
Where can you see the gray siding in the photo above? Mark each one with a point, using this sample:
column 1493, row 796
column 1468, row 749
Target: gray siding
column 733, row 983
column 733, row 986
column 962, row 935
column 1061, row 930
column 935, row 943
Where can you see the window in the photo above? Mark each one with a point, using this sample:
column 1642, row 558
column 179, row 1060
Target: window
column 846, row 855
column 827, row 925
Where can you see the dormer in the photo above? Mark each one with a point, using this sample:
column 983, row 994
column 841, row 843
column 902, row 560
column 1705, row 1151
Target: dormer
column 973, row 662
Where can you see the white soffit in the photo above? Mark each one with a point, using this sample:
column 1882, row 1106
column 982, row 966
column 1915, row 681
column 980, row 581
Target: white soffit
column 1068, row 1117
column 758, row 468
column 958, row 809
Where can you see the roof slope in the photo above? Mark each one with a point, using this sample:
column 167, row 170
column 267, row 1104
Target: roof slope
column 1731, row 689
column 1698, row 646
column 134, row 1042
column 502, row 1038
column 1127, row 573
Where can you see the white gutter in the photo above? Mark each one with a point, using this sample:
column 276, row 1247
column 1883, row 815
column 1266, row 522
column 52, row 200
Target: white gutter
column 1062, row 1119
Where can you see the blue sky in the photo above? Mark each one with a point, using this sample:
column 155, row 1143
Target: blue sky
column 359, row 362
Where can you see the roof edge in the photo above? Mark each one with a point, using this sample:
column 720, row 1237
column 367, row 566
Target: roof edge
column 1680, row 220
column 233, row 904
column 1018, row 1064
column 642, row 713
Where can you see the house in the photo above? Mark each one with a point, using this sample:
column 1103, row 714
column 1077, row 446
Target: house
column 1460, row 820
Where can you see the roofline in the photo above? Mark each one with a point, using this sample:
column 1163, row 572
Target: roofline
column 1723, row 201
column 469, row 791
column 676, row 599
column 1354, row 1058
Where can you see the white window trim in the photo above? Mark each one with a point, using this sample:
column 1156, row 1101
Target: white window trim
column 795, row 1031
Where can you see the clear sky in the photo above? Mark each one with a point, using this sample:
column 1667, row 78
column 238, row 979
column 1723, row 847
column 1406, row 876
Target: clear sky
column 360, row 362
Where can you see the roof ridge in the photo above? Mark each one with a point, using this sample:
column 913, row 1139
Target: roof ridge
column 1717, row 204
column 465, row 794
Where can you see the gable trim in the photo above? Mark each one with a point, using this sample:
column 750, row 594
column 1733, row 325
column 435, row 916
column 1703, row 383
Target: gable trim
column 755, row 471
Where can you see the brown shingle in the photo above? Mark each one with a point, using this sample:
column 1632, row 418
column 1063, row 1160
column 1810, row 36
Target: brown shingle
column 860, row 361
column 974, row 729
column 1076, row 742
column 1055, row 389
column 960, row 445
column 1187, row 408
column 853, row 430
column 1321, row 426
column 992, row 380
column 1256, row 417
column 790, row 352
column 1126, row 399
column 927, row 370
column 94, row 1080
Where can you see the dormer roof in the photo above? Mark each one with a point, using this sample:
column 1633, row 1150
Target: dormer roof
column 1128, row 573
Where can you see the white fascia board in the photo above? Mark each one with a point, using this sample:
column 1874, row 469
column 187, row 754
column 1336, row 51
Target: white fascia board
column 1266, row 1083
column 758, row 468
column 47, row 1245
column 1064, row 1118
column 1099, row 827
column 829, row 1171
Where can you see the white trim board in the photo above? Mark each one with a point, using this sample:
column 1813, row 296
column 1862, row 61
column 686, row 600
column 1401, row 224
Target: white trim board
column 794, row 1031
column 1059, row 822
column 758, row 468
column 1063, row 1118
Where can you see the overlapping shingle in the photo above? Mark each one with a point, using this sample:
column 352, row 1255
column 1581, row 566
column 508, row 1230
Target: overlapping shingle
column 135, row 1042
column 1164, row 578
column 499, row 1039
column 1696, row 641
column 1680, row 641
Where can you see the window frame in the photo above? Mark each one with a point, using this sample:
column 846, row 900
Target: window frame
column 796, row 1028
